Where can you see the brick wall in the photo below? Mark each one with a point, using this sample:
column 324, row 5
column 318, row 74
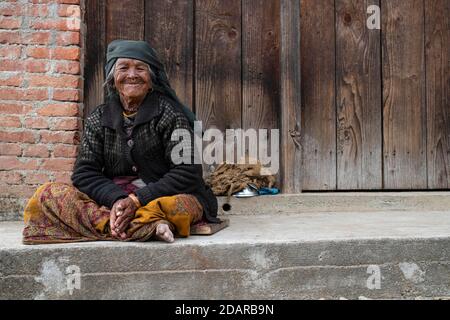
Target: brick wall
column 40, row 96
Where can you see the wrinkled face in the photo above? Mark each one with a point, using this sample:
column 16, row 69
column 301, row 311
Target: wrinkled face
column 132, row 78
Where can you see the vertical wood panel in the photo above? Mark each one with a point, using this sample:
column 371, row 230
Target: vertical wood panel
column 261, row 63
column 290, row 97
column 404, row 117
column 218, row 63
column 218, row 82
column 169, row 29
column 261, row 68
column 94, row 55
column 437, row 33
column 358, row 76
column 318, row 95
column 124, row 20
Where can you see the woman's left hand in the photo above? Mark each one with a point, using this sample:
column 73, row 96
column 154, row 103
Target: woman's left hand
column 126, row 210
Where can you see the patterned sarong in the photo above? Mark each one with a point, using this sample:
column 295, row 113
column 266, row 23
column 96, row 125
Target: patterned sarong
column 59, row 212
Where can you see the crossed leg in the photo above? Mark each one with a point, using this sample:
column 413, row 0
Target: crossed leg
column 180, row 212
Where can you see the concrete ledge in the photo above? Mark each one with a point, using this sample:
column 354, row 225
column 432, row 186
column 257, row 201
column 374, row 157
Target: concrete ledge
column 317, row 255
column 12, row 209
column 337, row 202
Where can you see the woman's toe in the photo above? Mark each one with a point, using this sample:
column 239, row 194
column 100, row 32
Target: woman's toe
column 163, row 233
column 169, row 236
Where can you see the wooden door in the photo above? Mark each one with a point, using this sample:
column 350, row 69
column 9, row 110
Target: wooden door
column 358, row 109
column 375, row 103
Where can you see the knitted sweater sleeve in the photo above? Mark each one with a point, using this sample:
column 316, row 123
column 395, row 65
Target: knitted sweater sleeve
column 88, row 174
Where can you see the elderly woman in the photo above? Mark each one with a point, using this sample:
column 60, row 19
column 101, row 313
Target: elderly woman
column 126, row 186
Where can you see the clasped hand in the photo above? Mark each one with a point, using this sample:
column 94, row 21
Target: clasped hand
column 122, row 213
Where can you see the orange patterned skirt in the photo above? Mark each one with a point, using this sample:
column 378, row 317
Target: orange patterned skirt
column 59, row 212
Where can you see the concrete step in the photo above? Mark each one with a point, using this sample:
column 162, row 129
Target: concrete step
column 12, row 209
column 332, row 255
column 336, row 202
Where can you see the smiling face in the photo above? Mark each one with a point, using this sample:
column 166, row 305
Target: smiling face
column 132, row 78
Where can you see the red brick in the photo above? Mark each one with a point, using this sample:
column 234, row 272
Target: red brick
column 64, row 177
column 11, row 80
column 14, row 163
column 17, row 136
column 11, row 52
column 10, row 23
column 11, row 177
column 45, row 24
column 58, row 164
column 36, row 178
column 69, row 137
column 42, row 1
column 65, row 10
column 15, row 108
column 10, row 65
column 17, row 191
column 36, row 123
column 69, row 1
column 23, row 94
column 29, row 65
column 59, row 110
column 67, row 38
column 10, row 121
column 38, row 53
column 11, row 9
column 61, row 24
column 36, row 150
column 62, row 53
column 65, row 151
column 35, row 66
column 66, row 124
column 40, row 37
column 70, row 67
column 16, row 37
column 10, row 37
column 37, row 10
column 62, row 81
column 10, row 149
column 66, row 95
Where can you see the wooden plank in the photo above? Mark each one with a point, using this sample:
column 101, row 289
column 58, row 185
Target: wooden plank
column 218, row 63
column 94, row 55
column 358, row 84
column 404, row 114
column 290, row 97
column 206, row 229
column 218, row 86
column 318, row 95
column 261, row 71
column 124, row 20
column 261, row 63
column 169, row 30
column 437, row 39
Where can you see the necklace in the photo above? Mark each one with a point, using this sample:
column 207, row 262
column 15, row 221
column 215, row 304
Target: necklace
column 129, row 115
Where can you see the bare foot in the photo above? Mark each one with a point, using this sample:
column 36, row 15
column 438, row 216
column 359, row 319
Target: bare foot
column 163, row 233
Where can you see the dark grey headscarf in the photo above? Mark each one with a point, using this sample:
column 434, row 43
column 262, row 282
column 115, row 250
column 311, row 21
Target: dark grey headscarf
column 141, row 50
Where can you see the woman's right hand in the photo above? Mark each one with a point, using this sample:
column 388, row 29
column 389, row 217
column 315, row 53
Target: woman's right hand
column 113, row 218
column 122, row 213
